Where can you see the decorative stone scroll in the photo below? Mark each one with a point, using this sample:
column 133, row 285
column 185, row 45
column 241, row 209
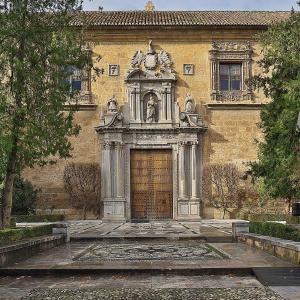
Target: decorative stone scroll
column 231, row 52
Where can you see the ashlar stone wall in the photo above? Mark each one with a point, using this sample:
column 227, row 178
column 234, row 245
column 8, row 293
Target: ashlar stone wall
column 232, row 125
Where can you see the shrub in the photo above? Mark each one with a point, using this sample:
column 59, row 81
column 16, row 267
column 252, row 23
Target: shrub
column 82, row 183
column 39, row 218
column 275, row 230
column 8, row 236
column 270, row 217
column 24, row 197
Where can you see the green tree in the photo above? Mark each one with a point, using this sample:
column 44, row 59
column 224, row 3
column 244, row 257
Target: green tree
column 278, row 154
column 36, row 44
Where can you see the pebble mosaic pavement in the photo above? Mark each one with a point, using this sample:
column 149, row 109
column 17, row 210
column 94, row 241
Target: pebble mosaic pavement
column 158, row 294
column 151, row 251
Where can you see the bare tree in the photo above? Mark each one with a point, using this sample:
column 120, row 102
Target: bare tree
column 221, row 183
column 82, row 183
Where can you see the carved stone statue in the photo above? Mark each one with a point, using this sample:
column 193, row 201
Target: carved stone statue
column 189, row 104
column 164, row 59
column 138, row 58
column 151, row 110
column 112, row 105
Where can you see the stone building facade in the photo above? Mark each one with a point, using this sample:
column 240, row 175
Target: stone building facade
column 172, row 97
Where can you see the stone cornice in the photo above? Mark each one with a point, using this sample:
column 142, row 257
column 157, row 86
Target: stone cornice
column 130, row 130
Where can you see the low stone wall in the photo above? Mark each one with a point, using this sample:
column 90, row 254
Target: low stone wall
column 24, row 249
column 285, row 249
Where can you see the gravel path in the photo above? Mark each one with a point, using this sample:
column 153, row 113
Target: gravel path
column 151, row 294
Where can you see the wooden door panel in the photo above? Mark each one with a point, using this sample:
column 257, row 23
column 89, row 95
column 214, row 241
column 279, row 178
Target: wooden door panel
column 151, row 184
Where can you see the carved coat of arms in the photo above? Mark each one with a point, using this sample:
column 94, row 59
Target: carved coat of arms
column 152, row 59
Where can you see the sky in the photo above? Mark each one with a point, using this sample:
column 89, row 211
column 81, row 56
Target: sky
column 192, row 4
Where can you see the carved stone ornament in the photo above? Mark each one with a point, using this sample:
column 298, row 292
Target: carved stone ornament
column 231, row 46
column 151, row 110
column 152, row 59
column 112, row 105
column 231, row 52
column 189, row 104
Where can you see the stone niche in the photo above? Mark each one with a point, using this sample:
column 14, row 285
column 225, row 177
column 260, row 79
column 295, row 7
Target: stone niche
column 151, row 119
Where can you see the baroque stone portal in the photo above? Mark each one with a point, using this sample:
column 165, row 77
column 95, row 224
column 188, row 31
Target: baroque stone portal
column 151, row 119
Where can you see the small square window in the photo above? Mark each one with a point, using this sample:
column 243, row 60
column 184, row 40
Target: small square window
column 188, row 69
column 230, row 77
column 113, row 70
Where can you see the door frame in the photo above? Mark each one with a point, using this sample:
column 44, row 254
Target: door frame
column 174, row 178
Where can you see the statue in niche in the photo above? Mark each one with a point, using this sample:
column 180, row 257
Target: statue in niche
column 189, row 104
column 151, row 110
column 112, row 105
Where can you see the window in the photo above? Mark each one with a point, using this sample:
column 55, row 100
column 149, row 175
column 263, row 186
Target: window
column 231, row 69
column 74, row 78
column 230, row 77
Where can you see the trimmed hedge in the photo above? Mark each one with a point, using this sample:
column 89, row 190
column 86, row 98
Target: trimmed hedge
column 8, row 236
column 275, row 230
column 270, row 217
column 38, row 218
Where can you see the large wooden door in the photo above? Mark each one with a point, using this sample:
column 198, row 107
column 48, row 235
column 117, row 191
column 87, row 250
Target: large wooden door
column 151, row 184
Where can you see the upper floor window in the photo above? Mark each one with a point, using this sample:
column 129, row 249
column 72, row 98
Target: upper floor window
column 230, row 77
column 231, row 69
column 74, row 78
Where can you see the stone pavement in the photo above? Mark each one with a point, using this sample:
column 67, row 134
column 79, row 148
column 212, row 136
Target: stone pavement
column 134, row 286
column 145, row 267
column 153, row 229
column 154, row 255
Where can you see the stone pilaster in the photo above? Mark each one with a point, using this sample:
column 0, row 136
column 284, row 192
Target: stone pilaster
column 106, row 169
column 120, row 170
column 193, row 168
column 182, row 177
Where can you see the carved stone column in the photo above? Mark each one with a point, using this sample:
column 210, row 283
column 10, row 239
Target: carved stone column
column 138, row 106
column 132, row 104
column 193, row 162
column 181, row 177
column 169, row 104
column 106, row 169
column 214, row 78
column 164, row 106
column 120, row 170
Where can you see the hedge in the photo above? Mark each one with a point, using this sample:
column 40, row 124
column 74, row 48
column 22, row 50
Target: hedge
column 38, row 218
column 275, row 230
column 8, row 236
column 270, row 217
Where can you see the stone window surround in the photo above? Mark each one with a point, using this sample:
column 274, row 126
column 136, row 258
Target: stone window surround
column 84, row 99
column 231, row 52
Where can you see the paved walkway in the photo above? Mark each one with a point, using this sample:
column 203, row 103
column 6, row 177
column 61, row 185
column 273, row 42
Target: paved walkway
column 150, row 255
column 155, row 229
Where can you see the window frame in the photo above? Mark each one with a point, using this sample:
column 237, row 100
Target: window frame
column 231, row 52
